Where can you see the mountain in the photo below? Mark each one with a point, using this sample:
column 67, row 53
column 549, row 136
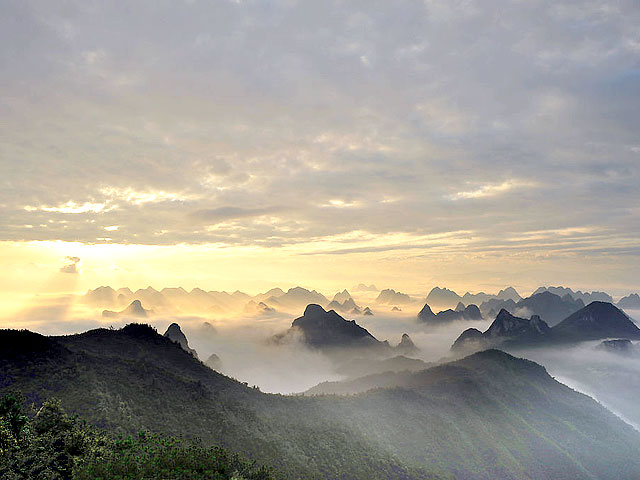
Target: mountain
column 254, row 308
column 471, row 340
column 506, row 326
column 491, row 307
column 135, row 309
column 328, row 330
column 169, row 299
column 552, row 308
column 443, row 296
column 509, row 293
column 213, row 362
column 390, row 296
column 151, row 297
column 342, row 296
column 630, row 302
column 470, row 312
column 365, row 288
column 477, row 298
column 361, row 367
column 506, row 329
column 488, row 416
column 295, row 299
column 274, row 292
column 406, row 346
column 347, row 306
column 622, row 346
column 426, row 314
column 175, row 334
column 101, row 297
column 448, row 298
column 586, row 297
column 596, row 321
column 367, row 311
column 549, row 306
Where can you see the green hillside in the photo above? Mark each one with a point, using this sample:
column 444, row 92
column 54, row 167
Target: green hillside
column 488, row 416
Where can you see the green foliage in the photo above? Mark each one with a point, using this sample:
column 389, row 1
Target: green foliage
column 52, row 445
column 148, row 456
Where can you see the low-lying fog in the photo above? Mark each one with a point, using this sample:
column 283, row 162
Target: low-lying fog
column 242, row 345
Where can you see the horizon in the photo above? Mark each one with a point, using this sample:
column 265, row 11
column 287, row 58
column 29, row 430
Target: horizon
column 239, row 146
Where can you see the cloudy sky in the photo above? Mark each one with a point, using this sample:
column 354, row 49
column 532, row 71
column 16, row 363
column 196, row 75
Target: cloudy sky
column 242, row 144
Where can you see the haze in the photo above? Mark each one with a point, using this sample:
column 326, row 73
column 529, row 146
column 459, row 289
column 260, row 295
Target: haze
column 240, row 145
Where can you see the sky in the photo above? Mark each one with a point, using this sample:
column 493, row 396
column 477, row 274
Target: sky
column 244, row 145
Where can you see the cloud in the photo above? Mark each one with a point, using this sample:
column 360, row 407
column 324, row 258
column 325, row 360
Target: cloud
column 490, row 190
column 230, row 213
column 293, row 124
column 71, row 265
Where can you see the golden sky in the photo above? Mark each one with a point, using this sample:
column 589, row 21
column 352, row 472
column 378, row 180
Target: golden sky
column 235, row 145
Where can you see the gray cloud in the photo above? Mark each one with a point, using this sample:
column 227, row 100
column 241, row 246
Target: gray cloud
column 396, row 117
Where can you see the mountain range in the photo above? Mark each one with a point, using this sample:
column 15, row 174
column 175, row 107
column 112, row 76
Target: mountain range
column 596, row 321
column 443, row 297
column 328, row 331
column 485, row 417
column 586, row 297
column 549, row 306
column 470, row 312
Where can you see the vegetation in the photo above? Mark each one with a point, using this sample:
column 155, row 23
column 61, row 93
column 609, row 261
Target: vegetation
column 485, row 417
column 48, row 444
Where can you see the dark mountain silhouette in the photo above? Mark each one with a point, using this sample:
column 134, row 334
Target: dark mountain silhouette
column 135, row 309
column 367, row 311
column 390, row 296
column 327, row 330
column 485, row 417
column 471, row 340
column 550, row 307
column 598, row 320
column 175, row 334
column 630, row 302
column 586, row 297
column 506, row 329
column 470, row 312
column 426, row 314
column 506, row 326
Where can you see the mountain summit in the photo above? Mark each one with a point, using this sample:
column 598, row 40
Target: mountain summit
column 596, row 321
column 326, row 330
column 175, row 334
column 135, row 309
